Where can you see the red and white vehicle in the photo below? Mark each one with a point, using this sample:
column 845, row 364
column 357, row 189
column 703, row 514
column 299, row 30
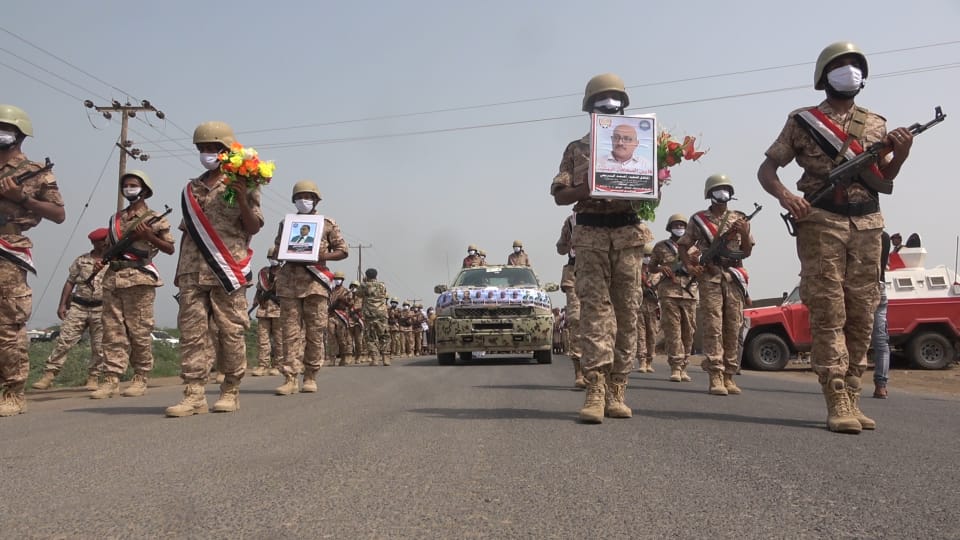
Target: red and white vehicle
column 923, row 317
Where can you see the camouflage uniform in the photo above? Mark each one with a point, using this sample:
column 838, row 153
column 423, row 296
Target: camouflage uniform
column 16, row 297
column 337, row 327
column 568, row 286
column 648, row 324
column 406, row 332
column 304, row 300
column 393, row 320
column 677, row 307
column 472, row 260
column 417, row 329
column 373, row 295
column 356, row 326
column 269, row 331
column 518, row 259
column 86, row 308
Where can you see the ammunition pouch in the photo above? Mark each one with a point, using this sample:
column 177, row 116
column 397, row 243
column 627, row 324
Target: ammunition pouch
column 607, row 221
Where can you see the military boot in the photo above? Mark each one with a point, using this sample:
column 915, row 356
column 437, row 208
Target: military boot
column 386, row 360
column 578, row 379
column 648, row 365
column 194, row 402
column 273, row 372
column 309, row 381
column 342, row 361
column 853, row 392
column 731, row 386
column 14, row 401
column 289, row 386
column 614, row 405
column 592, row 411
column 840, row 417
column 373, row 361
column 675, row 374
column 684, row 376
column 229, row 396
column 716, row 384
column 137, row 388
column 108, row 388
column 93, row 382
column 46, row 381
column 258, row 371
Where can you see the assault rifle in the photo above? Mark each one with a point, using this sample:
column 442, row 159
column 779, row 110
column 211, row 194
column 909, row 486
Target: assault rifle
column 117, row 250
column 19, row 180
column 848, row 172
column 267, row 296
column 718, row 248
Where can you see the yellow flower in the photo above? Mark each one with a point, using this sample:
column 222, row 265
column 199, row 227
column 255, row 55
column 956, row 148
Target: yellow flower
column 266, row 169
column 236, row 160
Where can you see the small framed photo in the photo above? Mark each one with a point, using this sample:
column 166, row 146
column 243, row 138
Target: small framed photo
column 300, row 239
column 623, row 156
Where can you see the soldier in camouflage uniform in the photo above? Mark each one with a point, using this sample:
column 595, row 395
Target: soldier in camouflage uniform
column 608, row 237
column 130, row 282
column 213, row 276
column 839, row 239
column 373, row 296
column 567, row 285
column 80, row 309
column 678, row 295
column 269, row 331
column 406, row 332
column 417, row 325
column 473, row 257
column 648, row 319
column 518, row 257
column 339, row 325
column 393, row 320
column 356, row 322
column 722, row 281
column 22, row 206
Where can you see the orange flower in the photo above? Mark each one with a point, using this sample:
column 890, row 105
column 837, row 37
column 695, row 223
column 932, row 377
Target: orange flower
column 236, row 147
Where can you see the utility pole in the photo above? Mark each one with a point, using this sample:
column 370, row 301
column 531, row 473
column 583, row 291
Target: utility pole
column 359, row 247
column 126, row 111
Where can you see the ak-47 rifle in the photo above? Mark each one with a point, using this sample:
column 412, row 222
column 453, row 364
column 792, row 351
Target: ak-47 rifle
column 718, row 248
column 848, row 172
column 117, row 250
column 19, row 180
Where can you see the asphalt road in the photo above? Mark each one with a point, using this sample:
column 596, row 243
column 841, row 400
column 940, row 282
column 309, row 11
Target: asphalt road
column 480, row 451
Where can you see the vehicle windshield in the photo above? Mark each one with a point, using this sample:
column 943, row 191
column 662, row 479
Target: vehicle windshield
column 495, row 276
column 794, row 297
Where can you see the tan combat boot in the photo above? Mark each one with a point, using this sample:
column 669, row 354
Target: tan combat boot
column 675, row 374
column 229, row 396
column 258, row 371
column 342, row 360
column 137, row 388
column 578, row 379
column 14, row 401
column 46, row 381
column 614, row 398
column 372, row 362
column 194, row 402
column 386, row 360
column 273, row 372
column 108, row 388
column 289, row 386
column 731, row 386
column 716, row 384
column 853, row 392
column 840, row 416
column 684, row 376
column 309, row 381
column 648, row 364
column 592, row 411
column 93, row 382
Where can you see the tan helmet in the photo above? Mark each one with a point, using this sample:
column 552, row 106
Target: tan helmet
column 675, row 218
column 214, row 132
column 648, row 249
column 339, row 275
column 517, row 243
column 305, row 186
column 604, row 83
column 831, row 53
column 355, row 283
column 481, row 253
column 472, row 247
column 394, row 299
column 147, row 184
column 714, row 181
column 15, row 116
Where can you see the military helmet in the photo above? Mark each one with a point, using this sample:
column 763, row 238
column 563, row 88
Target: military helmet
column 481, row 253
column 17, row 117
column 144, row 179
column 831, row 53
column 354, row 283
column 714, row 181
column 394, row 300
column 406, row 303
column 339, row 275
column 472, row 247
column 517, row 243
column 214, row 132
column 675, row 218
column 648, row 249
column 604, row 83
column 305, row 186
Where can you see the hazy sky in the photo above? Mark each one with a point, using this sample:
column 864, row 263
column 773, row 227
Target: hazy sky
column 432, row 125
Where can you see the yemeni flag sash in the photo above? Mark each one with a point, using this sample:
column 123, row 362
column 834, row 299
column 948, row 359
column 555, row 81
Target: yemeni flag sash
column 231, row 273
column 673, row 247
column 831, row 138
column 707, row 227
column 739, row 273
column 115, row 232
column 21, row 257
column 322, row 274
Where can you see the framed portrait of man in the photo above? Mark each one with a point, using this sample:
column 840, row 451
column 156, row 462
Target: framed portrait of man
column 623, row 156
column 300, row 239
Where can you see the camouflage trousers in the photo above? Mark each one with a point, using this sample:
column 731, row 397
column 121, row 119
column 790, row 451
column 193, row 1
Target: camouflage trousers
column 839, row 271
column 16, row 303
column 79, row 318
column 721, row 312
column 648, row 326
column 396, row 342
column 377, row 335
column 417, row 341
column 608, row 286
column 339, row 334
column 269, row 342
column 406, row 340
column 127, row 323
column 679, row 321
column 304, row 321
column 206, row 310
column 573, row 325
column 356, row 340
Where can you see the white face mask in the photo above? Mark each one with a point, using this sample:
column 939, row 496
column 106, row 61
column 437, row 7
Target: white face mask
column 646, row 259
column 720, row 195
column 273, row 262
column 846, row 78
column 131, row 193
column 338, row 282
column 471, row 253
column 304, row 206
column 678, row 231
column 209, row 160
column 607, row 106
column 517, row 249
column 7, row 138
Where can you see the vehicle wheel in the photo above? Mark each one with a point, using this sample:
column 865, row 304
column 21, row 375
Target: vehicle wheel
column 543, row 357
column 768, row 352
column 446, row 358
column 930, row 350
column 466, row 356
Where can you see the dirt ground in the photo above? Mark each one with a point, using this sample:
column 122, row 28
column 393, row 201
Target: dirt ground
column 945, row 382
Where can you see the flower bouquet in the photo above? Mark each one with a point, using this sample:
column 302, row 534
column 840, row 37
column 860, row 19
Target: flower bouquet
column 242, row 164
column 669, row 153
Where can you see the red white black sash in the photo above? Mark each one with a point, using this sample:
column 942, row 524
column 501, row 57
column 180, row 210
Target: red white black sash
column 18, row 256
column 739, row 273
column 673, row 247
column 831, row 138
column 322, row 274
column 231, row 273
column 707, row 227
column 115, row 232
